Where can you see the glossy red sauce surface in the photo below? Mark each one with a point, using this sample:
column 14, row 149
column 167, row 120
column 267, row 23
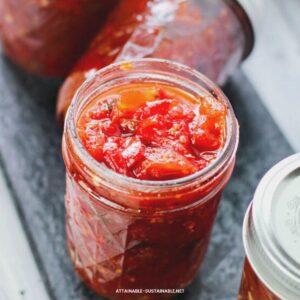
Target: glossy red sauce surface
column 152, row 131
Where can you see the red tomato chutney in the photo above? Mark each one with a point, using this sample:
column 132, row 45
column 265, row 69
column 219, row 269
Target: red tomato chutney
column 252, row 287
column 148, row 147
column 210, row 36
column 46, row 37
column 152, row 131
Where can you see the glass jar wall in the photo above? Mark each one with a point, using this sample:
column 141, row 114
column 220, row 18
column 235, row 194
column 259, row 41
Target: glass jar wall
column 46, row 37
column 252, row 287
column 126, row 233
column 210, row 36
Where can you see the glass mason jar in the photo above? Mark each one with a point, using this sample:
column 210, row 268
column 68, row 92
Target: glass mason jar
column 271, row 236
column 210, row 36
column 46, row 37
column 126, row 233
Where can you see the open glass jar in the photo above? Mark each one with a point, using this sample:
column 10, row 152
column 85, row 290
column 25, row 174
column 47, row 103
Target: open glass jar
column 213, row 37
column 271, row 236
column 126, row 233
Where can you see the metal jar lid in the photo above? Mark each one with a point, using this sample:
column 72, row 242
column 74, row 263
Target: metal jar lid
column 271, row 230
column 253, row 11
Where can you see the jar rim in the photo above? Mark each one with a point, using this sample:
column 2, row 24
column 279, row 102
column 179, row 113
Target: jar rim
column 229, row 149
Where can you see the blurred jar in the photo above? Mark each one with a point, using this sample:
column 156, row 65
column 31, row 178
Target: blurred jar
column 46, row 37
column 272, row 236
column 126, row 233
column 212, row 36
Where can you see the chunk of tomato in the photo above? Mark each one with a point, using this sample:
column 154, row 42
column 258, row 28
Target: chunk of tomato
column 163, row 164
column 206, row 133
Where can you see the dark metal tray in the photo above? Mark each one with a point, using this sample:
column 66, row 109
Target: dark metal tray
column 30, row 153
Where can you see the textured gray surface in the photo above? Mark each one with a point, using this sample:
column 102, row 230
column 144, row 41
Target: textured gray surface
column 30, row 156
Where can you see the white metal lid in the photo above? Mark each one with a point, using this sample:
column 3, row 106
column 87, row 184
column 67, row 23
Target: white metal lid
column 272, row 229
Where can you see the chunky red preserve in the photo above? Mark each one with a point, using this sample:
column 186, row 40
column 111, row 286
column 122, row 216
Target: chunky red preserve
column 139, row 214
column 252, row 287
column 46, row 37
column 153, row 131
column 211, row 36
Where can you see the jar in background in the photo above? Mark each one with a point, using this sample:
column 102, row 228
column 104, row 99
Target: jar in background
column 126, row 233
column 210, row 36
column 271, row 236
column 46, row 37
